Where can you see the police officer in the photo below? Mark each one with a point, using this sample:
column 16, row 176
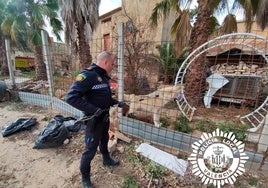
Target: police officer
column 91, row 94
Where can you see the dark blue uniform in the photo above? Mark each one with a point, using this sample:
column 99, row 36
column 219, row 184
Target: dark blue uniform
column 91, row 91
column 88, row 93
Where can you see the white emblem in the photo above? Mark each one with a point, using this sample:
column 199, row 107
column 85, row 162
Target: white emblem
column 218, row 158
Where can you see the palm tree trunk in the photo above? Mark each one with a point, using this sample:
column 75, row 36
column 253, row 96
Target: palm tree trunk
column 85, row 57
column 195, row 82
column 195, row 78
column 40, row 67
column 3, row 59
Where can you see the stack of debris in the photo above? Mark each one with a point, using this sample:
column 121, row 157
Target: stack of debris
column 40, row 86
column 240, row 68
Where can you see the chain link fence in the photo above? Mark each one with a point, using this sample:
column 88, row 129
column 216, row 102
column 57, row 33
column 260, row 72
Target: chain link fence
column 145, row 76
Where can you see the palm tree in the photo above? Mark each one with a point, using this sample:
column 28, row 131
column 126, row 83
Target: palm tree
column 168, row 62
column 23, row 24
column 80, row 18
column 181, row 27
column 204, row 27
column 3, row 60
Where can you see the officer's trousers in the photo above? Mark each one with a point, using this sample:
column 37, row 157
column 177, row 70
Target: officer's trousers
column 99, row 137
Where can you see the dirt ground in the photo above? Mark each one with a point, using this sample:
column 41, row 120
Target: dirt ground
column 21, row 166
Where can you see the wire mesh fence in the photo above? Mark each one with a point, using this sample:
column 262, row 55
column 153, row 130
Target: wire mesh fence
column 160, row 111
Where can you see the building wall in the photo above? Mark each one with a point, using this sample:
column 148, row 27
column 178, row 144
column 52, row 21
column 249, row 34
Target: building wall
column 255, row 29
column 107, row 28
column 139, row 12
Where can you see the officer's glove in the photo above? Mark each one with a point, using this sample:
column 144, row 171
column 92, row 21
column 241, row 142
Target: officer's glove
column 125, row 107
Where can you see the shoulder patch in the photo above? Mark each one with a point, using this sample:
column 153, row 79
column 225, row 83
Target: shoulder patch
column 80, row 77
column 99, row 79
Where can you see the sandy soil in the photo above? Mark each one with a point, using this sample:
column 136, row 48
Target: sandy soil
column 21, row 166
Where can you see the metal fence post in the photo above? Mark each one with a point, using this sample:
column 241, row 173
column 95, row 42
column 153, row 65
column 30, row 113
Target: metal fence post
column 120, row 65
column 47, row 59
column 9, row 62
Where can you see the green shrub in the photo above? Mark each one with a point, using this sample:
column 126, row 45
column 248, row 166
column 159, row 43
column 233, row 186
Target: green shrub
column 154, row 170
column 253, row 181
column 164, row 121
column 132, row 156
column 239, row 130
column 205, row 125
column 130, row 182
column 182, row 124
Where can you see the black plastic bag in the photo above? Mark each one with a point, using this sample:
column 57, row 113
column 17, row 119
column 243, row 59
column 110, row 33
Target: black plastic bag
column 18, row 125
column 72, row 124
column 53, row 135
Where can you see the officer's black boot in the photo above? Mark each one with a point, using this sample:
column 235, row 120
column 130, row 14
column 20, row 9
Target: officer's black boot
column 108, row 161
column 86, row 183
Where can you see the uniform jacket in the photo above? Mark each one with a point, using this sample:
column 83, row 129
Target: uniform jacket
column 91, row 91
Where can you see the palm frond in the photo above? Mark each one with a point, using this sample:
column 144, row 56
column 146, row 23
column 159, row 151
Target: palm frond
column 35, row 37
column 161, row 10
column 248, row 11
column 6, row 25
column 68, row 13
column 21, row 23
column 154, row 17
column 52, row 4
column 13, row 32
column 50, row 13
column 57, row 27
column 83, row 13
column 214, row 24
column 255, row 5
column 182, row 29
column 217, row 4
column 229, row 24
column 262, row 14
column 88, row 32
column 88, row 12
column 36, row 14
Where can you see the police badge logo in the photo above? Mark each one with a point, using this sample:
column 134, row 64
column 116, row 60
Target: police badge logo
column 99, row 79
column 80, row 77
column 218, row 158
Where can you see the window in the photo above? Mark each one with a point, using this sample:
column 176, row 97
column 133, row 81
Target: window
column 107, row 42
